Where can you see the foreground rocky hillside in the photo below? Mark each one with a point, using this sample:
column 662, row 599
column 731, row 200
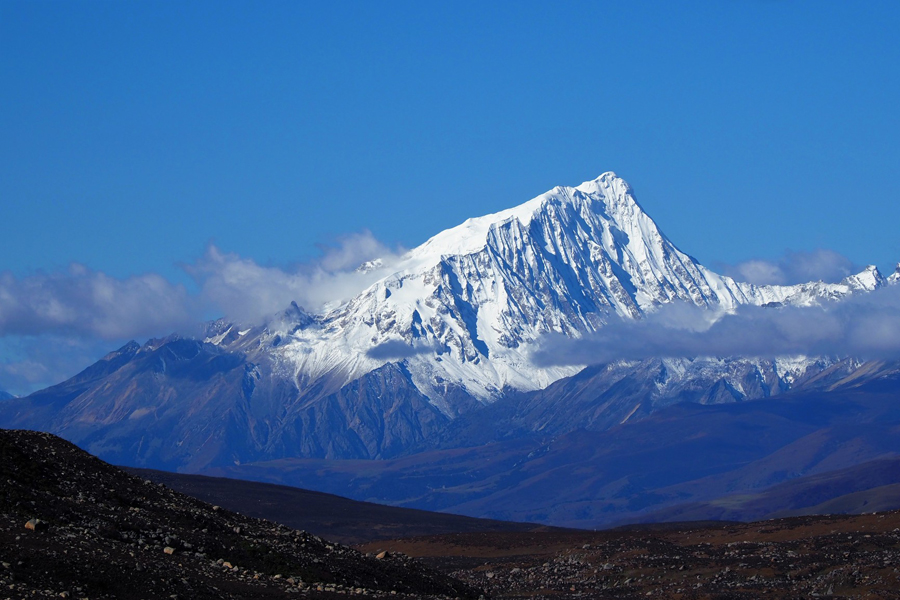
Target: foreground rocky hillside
column 72, row 526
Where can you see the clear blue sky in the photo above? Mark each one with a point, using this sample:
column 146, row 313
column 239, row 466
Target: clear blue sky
column 132, row 134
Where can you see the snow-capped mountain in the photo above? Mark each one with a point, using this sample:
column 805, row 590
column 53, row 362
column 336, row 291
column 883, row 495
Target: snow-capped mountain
column 465, row 308
column 446, row 329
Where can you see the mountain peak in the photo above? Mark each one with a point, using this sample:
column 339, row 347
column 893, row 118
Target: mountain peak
column 471, row 235
column 894, row 277
column 869, row 279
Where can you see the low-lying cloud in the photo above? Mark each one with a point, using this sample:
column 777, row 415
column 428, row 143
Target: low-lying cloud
column 84, row 313
column 864, row 325
column 398, row 350
column 792, row 268
column 28, row 363
column 80, row 301
column 247, row 292
column 84, row 302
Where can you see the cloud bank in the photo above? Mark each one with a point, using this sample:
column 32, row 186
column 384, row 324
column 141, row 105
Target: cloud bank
column 80, row 301
column 248, row 292
column 84, row 302
column 54, row 324
column 792, row 268
column 864, row 326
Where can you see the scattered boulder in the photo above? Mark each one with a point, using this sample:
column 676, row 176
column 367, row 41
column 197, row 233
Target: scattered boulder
column 36, row 525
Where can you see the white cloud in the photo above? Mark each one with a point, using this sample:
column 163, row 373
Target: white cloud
column 84, row 302
column 793, row 267
column 864, row 325
column 54, row 324
column 248, row 292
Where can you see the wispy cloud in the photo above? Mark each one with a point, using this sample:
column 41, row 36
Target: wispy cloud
column 248, row 292
column 863, row 325
column 83, row 302
column 80, row 301
column 398, row 350
column 793, row 267
column 28, row 363
column 83, row 312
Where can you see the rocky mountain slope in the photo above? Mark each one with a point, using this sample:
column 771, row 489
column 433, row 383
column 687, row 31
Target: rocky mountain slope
column 72, row 526
column 442, row 332
column 680, row 456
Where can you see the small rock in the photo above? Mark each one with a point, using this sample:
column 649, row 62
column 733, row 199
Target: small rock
column 382, row 554
column 36, row 525
column 169, row 550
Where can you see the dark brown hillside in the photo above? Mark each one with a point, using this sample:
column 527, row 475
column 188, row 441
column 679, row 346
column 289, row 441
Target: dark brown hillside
column 74, row 526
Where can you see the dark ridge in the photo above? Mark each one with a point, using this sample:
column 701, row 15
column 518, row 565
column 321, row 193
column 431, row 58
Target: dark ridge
column 74, row 526
column 675, row 525
column 332, row 517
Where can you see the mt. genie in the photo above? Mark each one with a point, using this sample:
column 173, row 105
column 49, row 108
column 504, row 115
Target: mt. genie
column 437, row 352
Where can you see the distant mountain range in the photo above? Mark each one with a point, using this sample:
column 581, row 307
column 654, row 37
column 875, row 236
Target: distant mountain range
column 435, row 356
column 790, row 454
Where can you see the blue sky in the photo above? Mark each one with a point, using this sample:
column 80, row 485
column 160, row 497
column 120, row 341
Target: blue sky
column 136, row 134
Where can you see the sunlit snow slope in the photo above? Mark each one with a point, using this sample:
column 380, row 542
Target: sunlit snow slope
column 465, row 308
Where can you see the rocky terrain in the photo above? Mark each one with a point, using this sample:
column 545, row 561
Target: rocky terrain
column 72, row 526
column 806, row 557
